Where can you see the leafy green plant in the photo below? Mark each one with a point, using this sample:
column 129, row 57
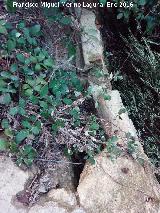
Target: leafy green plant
column 112, row 147
column 42, row 102
column 30, row 88
column 39, row 97
column 140, row 92
column 143, row 11
column 3, row 145
column 56, row 15
column 145, row 61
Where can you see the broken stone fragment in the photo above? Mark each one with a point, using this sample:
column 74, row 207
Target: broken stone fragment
column 91, row 39
column 63, row 196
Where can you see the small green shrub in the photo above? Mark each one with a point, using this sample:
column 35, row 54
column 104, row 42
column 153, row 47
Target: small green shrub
column 39, row 98
column 140, row 92
column 30, row 88
column 145, row 61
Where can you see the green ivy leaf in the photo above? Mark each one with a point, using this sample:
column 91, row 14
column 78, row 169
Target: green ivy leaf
column 33, row 59
column 13, row 33
column 8, row 25
column 21, row 135
column 3, row 29
column 14, row 68
column 5, row 99
column 21, row 25
column 27, row 149
column 48, row 62
column 75, row 112
column 11, row 44
column 121, row 111
column 33, row 99
column 8, row 132
column 44, row 91
column 132, row 146
column 28, row 154
column 27, row 70
column 10, row 8
column 21, row 41
column 107, row 97
column 103, row 1
column 32, row 41
column 26, row 124
column 36, row 130
column 120, row 15
column 113, row 139
column 67, row 101
column 21, row 111
column 41, row 57
column 3, row 145
column 38, row 67
column 43, row 104
column 22, row 102
column 20, row 57
column 5, row 74
column 28, row 92
column 65, row 20
column 94, row 126
column 57, row 124
column 26, row 32
column 91, row 160
column 13, row 147
column 38, row 87
column 35, row 29
column 71, row 50
column 37, row 50
column 13, row 111
column 5, row 123
column 142, row 2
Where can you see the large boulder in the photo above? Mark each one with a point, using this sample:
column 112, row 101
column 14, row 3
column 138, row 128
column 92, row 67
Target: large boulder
column 125, row 184
column 12, row 180
column 120, row 186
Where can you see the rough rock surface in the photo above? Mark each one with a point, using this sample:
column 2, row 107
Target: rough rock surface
column 12, row 180
column 58, row 201
column 123, row 185
column 52, row 207
column 48, row 207
column 63, row 196
column 120, row 186
column 118, row 124
column 78, row 210
column 110, row 111
column 91, row 39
